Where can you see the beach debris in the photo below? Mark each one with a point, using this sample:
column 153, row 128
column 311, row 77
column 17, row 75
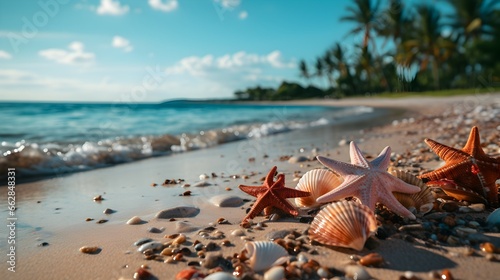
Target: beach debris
column 317, row 182
column 135, row 220
column 493, row 218
column 108, row 211
column 143, row 240
column 264, row 254
column 422, row 201
column 225, row 200
column 344, row 224
column 185, row 226
column 272, row 193
column 368, row 181
column 98, row 198
column 470, row 167
column 178, row 212
column 90, row 250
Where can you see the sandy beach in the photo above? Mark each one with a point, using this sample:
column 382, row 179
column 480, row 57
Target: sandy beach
column 52, row 214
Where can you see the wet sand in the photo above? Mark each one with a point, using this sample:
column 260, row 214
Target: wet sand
column 54, row 210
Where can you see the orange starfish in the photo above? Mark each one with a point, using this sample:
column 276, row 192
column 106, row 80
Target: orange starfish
column 470, row 167
column 272, row 193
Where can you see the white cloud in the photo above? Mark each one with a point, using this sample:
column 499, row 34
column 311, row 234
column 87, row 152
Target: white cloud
column 75, row 55
column 243, row 15
column 110, row 7
column 5, row 55
column 122, row 43
column 167, row 6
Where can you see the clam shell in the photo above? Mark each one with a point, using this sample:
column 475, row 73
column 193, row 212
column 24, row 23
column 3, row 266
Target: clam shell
column 263, row 254
column 344, row 224
column 421, row 201
column 318, row 182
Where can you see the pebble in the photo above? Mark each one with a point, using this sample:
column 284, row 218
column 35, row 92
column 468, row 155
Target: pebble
column 211, row 259
column 220, row 275
column 142, row 274
column 372, row 259
column 296, row 159
column 156, row 230
column 237, row 232
column 275, row 273
column 142, row 241
column 101, row 221
column 184, row 226
column 179, row 239
column 357, row 272
column 478, row 207
column 204, row 176
column 135, row 220
column 150, row 246
column 201, row 184
column 199, row 247
column 187, row 273
column 90, row 249
column 225, row 200
column 488, row 247
column 178, row 212
column 323, row 272
column 43, row 244
column 494, row 218
column 98, row 198
column 108, row 211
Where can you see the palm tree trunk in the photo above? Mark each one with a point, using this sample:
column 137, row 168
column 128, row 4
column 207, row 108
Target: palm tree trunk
column 435, row 73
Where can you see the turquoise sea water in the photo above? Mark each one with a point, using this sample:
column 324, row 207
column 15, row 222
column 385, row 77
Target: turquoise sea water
column 43, row 138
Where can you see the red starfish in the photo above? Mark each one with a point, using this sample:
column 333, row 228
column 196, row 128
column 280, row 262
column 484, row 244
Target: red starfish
column 272, row 193
column 470, row 167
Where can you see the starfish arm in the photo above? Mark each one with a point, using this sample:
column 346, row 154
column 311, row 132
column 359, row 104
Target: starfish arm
column 290, row 193
column 346, row 189
column 398, row 185
column 257, row 208
column 339, row 167
column 357, row 157
column 445, row 152
column 473, row 145
column 284, row 205
column 392, row 203
column 383, row 159
column 270, row 176
column 252, row 190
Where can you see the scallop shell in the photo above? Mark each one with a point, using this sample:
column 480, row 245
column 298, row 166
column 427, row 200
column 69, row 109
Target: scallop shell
column 422, row 201
column 317, row 182
column 264, row 254
column 344, row 224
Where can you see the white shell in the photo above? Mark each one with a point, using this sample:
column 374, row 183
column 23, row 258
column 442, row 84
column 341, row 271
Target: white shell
column 263, row 254
column 150, row 245
column 135, row 221
column 220, row 275
column 318, row 182
column 275, row 273
column 494, row 218
column 423, row 201
column 344, row 224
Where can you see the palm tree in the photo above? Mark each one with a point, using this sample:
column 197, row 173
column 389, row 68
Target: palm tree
column 339, row 60
column 319, row 68
column 304, row 71
column 473, row 18
column 396, row 22
column 329, row 66
column 365, row 14
column 429, row 46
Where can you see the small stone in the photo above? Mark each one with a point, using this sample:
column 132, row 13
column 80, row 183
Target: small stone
column 135, row 220
column 90, row 249
column 446, row 275
column 199, row 247
column 142, row 274
column 357, row 272
column 43, row 244
column 237, row 232
column 372, row 259
column 142, row 241
column 98, row 198
column 150, row 246
column 186, row 193
column 88, row 219
column 178, row 212
column 297, row 159
column 102, row 221
column 211, row 259
column 275, row 273
column 108, row 211
column 478, row 207
column 155, row 230
column 179, row 239
column 487, row 247
column 204, row 176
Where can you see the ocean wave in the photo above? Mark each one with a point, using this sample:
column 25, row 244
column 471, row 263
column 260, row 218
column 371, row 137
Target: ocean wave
column 35, row 159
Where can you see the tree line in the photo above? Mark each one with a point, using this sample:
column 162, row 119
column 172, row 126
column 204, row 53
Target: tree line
column 403, row 48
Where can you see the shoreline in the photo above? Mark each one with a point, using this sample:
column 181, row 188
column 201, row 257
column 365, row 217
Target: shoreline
column 127, row 189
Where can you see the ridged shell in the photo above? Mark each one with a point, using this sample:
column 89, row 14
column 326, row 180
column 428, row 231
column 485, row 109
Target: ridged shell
column 263, row 254
column 318, row 182
column 344, row 224
column 421, row 201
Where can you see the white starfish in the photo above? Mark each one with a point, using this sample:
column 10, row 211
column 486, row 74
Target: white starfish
column 368, row 181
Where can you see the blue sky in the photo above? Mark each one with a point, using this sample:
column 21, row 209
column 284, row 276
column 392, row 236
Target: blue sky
column 153, row 50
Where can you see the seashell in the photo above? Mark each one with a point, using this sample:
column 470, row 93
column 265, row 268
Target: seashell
column 135, row 221
column 150, row 246
column 220, row 275
column 422, row 201
column 178, row 212
column 90, row 249
column 183, row 226
column 358, row 272
column 224, row 200
column 263, row 254
column 318, row 182
column 494, row 218
column 344, row 224
column 450, row 188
